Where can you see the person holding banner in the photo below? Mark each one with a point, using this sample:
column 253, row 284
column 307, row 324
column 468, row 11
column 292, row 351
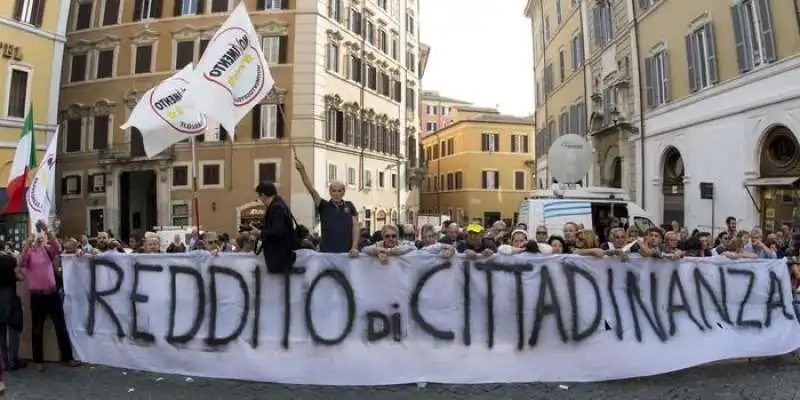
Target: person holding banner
column 36, row 258
column 338, row 217
column 277, row 233
column 391, row 245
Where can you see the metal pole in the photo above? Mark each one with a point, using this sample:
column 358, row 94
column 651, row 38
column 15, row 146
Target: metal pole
column 195, row 199
column 398, row 191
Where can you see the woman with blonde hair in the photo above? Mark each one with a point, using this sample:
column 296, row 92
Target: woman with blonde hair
column 586, row 244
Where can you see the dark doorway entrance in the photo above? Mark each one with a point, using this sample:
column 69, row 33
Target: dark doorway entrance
column 616, row 173
column 672, row 186
column 138, row 202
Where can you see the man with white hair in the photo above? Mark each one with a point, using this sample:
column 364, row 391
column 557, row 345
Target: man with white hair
column 338, row 217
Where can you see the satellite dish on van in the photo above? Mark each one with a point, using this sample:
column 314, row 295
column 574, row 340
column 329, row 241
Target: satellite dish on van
column 569, row 159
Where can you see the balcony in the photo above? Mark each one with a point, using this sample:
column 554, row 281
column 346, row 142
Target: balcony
column 131, row 152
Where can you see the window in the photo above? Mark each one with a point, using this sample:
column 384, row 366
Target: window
column 211, row 174
column 451, row 148
column 559, row 12
column 411, row 60
column 657, row 79
column 519, row 180
column 431, row 127
column 351, row 176
column 576, row 119
column 355, row 21
column 333, row 57
column 430, row 110
column 369, row 32
column 577, row 52
column 268, row 121
column 144, row 59
column 490, row 142
column 395, row 46
column 701, row 57
column 146, row 9
column 546, row 29
column 410, row 22
column 110, row 12
column 83, row 15
column 367, row 178
column 335, row 10
column 548, row 79
column 372, row 77
column 77, row 72
column 355, row 68
column 180, row 214
column 383, row 5
column 450, row 181
column 180, row 176
column 383, row 42
column 490, row 179
column 18, row 93
column 71, row 185
column 563, row 124
column 100, row 132
column 445, row 110
column 74, row 136
column 753, row 34
column 105, row 64
column 643, row 4
column 30, row 12
column 270, row 4
column 380, row 179
column 97, row 182
column 218, row 6
column 184, row 53
column 519, row 143
column 435, row 151
column 603, row 28
column 274, row 48
column 267, row 171
column 332, row 173
column 562, row 65
column 203, row 45
column 394, row 181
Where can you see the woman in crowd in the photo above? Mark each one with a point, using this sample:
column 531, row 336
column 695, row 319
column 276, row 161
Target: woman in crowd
column 36, row 258
column 10, row 312
column 735, row 250
column 519, row 244
column 586, row 244
column 557, row 244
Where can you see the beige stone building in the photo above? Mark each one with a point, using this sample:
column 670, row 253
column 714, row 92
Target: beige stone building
column 346, row 97
column 560, row 75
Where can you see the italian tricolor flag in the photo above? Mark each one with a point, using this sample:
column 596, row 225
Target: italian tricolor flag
column 24, row 160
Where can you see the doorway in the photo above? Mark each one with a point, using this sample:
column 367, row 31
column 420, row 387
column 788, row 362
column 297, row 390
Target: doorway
column 138, row 202
column 672, row 187
column 96, row 221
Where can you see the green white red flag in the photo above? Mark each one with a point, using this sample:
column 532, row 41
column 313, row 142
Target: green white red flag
column 24, row 161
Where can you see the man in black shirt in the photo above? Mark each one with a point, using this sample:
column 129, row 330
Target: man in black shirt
column 338, row 217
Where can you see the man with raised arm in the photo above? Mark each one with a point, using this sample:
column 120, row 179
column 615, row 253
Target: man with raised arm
column 339, row 217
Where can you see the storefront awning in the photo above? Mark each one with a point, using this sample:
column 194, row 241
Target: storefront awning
column 780, row 181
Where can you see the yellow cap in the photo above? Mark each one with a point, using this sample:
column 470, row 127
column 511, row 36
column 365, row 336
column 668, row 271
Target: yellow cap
column 474, row 228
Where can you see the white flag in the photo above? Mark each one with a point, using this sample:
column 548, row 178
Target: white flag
column 232, row 77
column 165, row 115
column 42, row 190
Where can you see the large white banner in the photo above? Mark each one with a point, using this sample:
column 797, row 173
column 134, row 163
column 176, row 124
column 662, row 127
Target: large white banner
column 165, row 115
column 232, row 77
column 342, row 321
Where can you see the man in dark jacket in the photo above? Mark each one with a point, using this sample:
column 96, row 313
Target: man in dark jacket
column 277, row 232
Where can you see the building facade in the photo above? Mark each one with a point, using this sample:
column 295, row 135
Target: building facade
column 559, row 63
column 435, row 111
column 345, row 98
column 721, row 100
column 32, row 37
column 478, row 169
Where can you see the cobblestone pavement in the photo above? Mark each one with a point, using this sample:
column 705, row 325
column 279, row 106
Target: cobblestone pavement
column 773, row 379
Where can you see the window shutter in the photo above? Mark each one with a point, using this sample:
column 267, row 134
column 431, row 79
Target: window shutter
column 496, row 179
column 18, row 10
column 280, row 123
column 484, row 178
column 38, row 12
column 513, row 143
column 742, row 55
column 665, row 82
column 201, row 6
column 137, row 10
column 690, row 63
column 765, row 18
column 649, row 76
column 157, row 5
column 78, row 181
column 596, row 23
column 484, row 142
column 63, row 186
column 525, row 139
column 283, row 49
column 176, row 8
column 256, row 121
column 496, row 142
column 260, row 4
column 713, row 65
column 284, row 4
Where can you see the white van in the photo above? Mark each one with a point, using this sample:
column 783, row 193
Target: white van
column 597, row 208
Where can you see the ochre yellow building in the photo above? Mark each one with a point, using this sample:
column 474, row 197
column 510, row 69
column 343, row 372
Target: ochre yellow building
column 478, row 168
column 31, row 51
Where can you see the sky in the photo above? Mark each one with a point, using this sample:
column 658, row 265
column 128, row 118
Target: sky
column 480, row 52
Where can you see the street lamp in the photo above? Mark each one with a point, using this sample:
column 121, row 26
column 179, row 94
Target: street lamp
column 396, row 165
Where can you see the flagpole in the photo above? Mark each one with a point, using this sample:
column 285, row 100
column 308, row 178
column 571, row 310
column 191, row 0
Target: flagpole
column 195, row 199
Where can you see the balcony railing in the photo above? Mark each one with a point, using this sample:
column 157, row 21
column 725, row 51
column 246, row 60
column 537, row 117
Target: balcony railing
column 131, row 152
